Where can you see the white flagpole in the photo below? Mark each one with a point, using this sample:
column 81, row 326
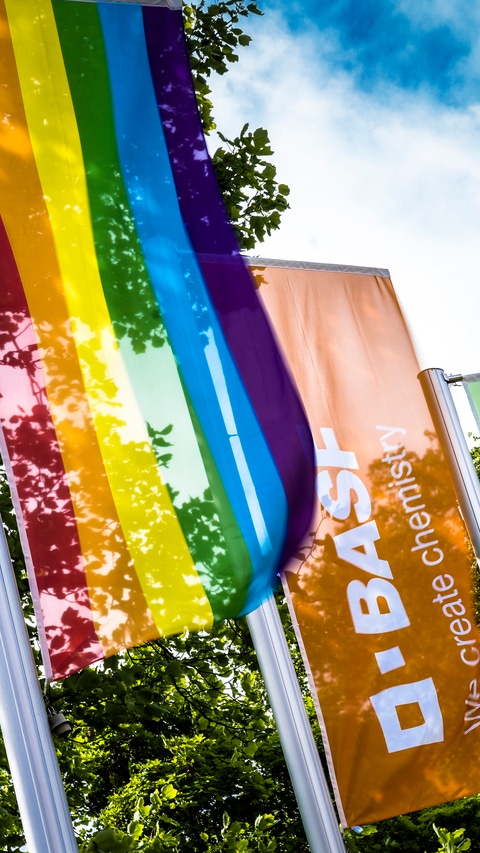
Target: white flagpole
column 298, row 744
column 435, row 385
column 23, row 719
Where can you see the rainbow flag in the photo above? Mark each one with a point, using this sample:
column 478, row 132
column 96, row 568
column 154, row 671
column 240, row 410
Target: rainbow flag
column 160, row 459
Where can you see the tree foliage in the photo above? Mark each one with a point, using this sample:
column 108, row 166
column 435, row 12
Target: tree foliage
column 247, row 178
column 251, row 194
column 434, row 830
column 170, row 737
column 213, row 38
column 475, row 453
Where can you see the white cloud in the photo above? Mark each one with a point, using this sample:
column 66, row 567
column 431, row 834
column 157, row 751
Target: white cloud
column 430, row 14
column 389, row 180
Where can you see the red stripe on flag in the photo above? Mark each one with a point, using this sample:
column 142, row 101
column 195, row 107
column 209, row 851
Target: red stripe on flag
column 41, row 483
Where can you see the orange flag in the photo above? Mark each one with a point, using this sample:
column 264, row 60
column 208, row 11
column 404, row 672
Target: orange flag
column 381, row 588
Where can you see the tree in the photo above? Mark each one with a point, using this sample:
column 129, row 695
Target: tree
column 179, row 733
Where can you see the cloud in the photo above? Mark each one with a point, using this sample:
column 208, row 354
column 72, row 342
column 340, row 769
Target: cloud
column 388, row 177
column 428, row 45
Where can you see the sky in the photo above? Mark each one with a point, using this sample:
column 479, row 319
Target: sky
column 373, row 111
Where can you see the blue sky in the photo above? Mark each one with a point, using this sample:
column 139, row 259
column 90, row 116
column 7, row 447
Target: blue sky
column 420, row 45
column 373, row 109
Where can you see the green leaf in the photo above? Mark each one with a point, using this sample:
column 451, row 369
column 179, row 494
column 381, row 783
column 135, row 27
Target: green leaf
column 135, row 829
column 112, row 841
column 169, row 792
column 174, row 668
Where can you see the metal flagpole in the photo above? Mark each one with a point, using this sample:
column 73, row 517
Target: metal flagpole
column 299, row 747
column 23, row 719
column 435, row 384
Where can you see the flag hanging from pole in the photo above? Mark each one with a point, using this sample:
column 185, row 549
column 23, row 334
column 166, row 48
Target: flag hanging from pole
column 381, row 588
column 158, row 452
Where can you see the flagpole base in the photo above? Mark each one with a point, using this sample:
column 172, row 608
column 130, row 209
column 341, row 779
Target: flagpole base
column 23, row 719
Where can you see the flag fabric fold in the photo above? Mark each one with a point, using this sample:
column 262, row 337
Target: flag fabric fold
column 158, row 452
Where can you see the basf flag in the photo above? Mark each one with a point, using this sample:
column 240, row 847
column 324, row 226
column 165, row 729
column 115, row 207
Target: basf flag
column 381, row 589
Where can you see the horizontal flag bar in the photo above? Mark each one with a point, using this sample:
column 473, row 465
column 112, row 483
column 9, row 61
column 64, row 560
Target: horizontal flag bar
column 310, row 265
column 171, row 4
column 460, row 377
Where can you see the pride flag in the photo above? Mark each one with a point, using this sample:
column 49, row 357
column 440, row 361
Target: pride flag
column 159, row 456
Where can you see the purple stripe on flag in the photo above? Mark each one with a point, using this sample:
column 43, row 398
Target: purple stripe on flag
column 231, row 287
